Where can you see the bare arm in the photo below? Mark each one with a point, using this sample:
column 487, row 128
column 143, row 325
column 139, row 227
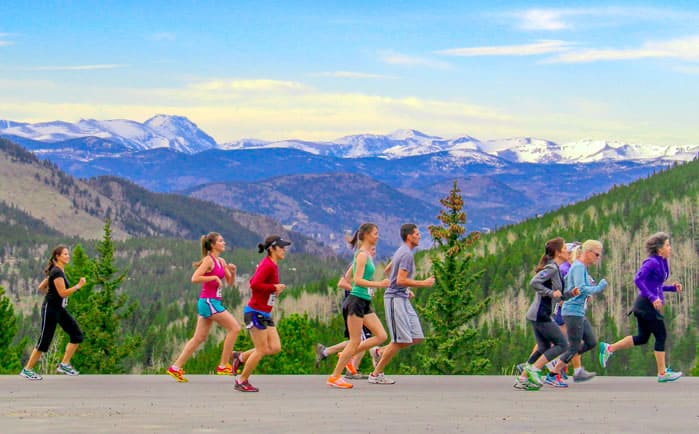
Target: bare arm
column 44, row 286
column 359, row 273
column 230, row 270
column 403, row 280
column 203, row 268
column 64, row 292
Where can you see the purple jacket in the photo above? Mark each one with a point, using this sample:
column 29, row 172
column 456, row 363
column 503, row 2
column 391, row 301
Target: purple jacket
column 650, row 277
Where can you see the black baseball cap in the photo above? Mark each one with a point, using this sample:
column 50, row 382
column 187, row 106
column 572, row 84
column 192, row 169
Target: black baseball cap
column 279, row 241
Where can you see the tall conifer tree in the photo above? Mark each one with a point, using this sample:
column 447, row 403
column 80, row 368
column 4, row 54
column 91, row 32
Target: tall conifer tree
column 453, row 344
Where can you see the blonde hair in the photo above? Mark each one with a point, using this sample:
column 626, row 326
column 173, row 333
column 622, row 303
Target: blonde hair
column 589, row 245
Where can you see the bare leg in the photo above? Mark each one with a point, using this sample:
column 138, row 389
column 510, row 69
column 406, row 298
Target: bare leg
column 70, row 350
column 622, row 344
column 388, row 352
column 200, row 334
column 266, row 343
column 660, row 361
column 226, row 320
column 33, row 358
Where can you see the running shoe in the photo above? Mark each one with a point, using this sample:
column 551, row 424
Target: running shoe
column 555, row 380
column 235, row 362
column 357, row 376
column 350, row 368
column 177, row 374
column 320, row 354
column 338, row 382
column 380, row 379
column 534, row 375
column 225, row 370
column 583, row 375
column 525, row 384
column 375, row 355
column 245, row 386
column 604, row 354
column 669, row 376
column 30, row 374
column 66, row 368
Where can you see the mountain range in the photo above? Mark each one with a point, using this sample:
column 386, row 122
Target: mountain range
column 324, row 189
column 180, row 134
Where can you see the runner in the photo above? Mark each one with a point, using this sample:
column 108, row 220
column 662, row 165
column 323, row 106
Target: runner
column 265, row 287
column 358, row 303
column 401, row 318
column 580, row 335
column 211, row 270
column 322, row 352
column 648, row 306
column 53, row 312
column 548, row 284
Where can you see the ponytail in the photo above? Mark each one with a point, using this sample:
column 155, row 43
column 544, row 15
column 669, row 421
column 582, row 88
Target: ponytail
column 552, row 246
column 53, row 259
column 358, row 236
column 207, row 242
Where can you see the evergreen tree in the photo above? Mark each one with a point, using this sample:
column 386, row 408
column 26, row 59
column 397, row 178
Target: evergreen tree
column 100, row 311
column 453, row 344
column 9, row 354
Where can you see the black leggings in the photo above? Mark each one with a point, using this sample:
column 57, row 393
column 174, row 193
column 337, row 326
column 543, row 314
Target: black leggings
column 52, row 316
column 647, row 327
column 549, row 341
column 580, row 337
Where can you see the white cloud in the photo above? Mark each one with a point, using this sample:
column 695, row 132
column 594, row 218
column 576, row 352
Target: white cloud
column 262, row 85
column 541, row 47
column 267, row 114
column 681, row 48
column 78, row 67
column 393, row 58
column 543, row 19
column 551, row 19
column 351, row 74
column 3, row 39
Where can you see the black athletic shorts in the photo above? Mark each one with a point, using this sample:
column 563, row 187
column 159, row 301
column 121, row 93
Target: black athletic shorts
column 356, row 306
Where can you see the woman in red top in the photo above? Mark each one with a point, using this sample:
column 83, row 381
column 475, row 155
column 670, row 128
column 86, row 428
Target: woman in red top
column 265, row 288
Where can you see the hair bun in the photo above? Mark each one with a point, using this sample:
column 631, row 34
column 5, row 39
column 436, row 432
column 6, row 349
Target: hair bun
column 260, row 248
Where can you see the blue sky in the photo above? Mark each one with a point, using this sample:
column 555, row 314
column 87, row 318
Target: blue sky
column 562, row 71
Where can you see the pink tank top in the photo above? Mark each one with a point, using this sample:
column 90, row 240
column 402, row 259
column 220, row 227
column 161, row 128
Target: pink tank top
column 211, row 289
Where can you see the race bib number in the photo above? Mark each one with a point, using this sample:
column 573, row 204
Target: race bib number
column 272, row 298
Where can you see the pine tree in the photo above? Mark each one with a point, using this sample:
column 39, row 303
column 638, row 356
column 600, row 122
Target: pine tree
column 100, row 311
column 453, row 344
column 9, row 354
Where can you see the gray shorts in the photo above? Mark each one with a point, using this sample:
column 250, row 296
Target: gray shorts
column 402, row 320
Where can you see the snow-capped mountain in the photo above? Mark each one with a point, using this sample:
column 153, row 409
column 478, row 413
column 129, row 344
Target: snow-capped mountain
column 161, row 131
column 180, row 134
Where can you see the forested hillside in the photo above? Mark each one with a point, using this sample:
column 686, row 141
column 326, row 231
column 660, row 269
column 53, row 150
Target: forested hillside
column 78, row 208
column 622, row 219
column 163, row 313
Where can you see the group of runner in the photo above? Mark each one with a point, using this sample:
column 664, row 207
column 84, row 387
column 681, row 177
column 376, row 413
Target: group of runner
column 562, row 283
column 557, row 314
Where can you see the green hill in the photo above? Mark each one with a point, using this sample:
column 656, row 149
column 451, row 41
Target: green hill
column 622, row 219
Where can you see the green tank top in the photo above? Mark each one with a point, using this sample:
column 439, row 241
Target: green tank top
column 369, row 268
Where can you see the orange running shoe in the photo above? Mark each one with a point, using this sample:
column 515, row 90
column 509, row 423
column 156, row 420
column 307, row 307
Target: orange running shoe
column 338, row 382
column 177, row 374
column 226, row 370
column 349, row 366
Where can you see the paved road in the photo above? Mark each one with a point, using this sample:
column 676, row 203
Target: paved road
column 303, row 404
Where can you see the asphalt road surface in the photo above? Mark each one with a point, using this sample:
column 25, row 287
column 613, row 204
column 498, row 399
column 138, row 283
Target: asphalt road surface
column 304, row 404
